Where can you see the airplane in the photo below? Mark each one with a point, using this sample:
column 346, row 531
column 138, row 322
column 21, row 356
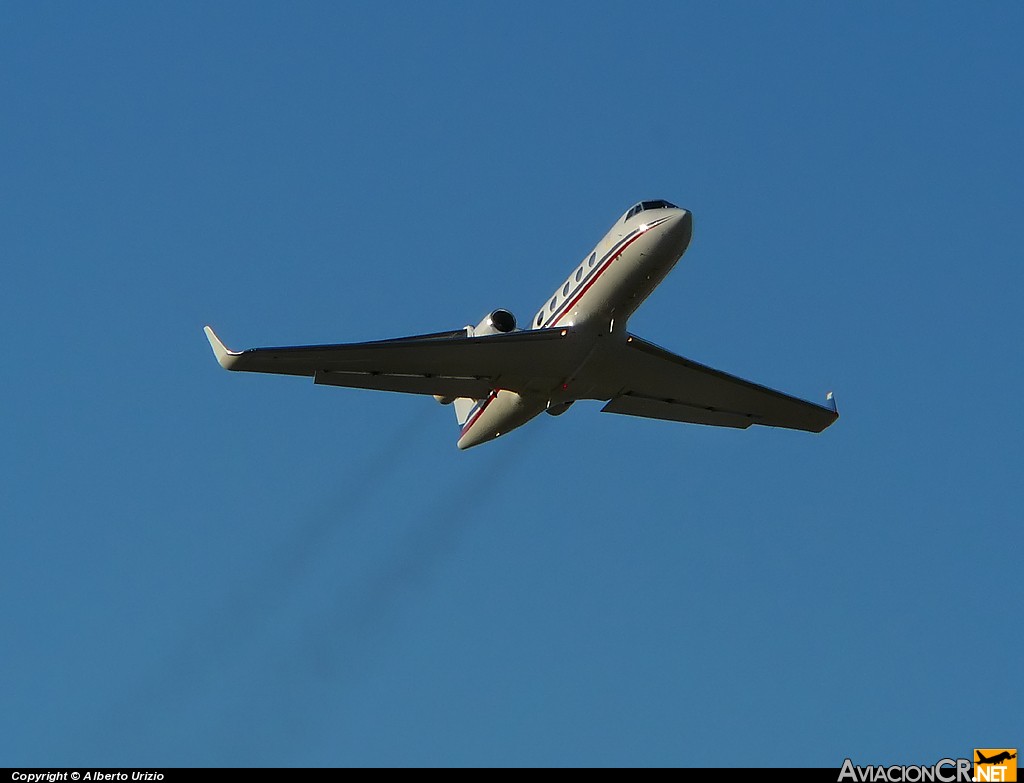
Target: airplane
column 498, row 376
column 996, row 759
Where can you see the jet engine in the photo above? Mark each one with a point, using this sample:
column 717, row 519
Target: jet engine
column 496, row 322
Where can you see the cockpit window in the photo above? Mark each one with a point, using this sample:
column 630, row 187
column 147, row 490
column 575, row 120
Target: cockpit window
column 657, row 205
column 644, row 205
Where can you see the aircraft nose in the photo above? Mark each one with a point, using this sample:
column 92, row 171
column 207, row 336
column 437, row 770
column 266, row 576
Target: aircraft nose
column 680, row 229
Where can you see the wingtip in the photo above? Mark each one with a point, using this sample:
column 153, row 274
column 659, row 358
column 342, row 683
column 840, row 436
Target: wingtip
column 225, row 357
column 830, row 400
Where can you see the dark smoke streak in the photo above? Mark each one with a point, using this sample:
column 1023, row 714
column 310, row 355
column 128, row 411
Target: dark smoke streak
column 342, row 648
column 189, row 669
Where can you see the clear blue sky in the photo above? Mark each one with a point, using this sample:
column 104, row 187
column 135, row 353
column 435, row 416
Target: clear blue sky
column 202, row 568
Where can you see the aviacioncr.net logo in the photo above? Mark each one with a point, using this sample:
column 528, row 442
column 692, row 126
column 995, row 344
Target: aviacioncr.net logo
column 942, row 771
column 995, row 764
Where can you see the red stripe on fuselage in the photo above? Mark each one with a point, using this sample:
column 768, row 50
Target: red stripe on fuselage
column 566, row 309
column 476, row 415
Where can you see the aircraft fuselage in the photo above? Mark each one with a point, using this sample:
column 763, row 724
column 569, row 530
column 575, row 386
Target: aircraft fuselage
column 596, row 300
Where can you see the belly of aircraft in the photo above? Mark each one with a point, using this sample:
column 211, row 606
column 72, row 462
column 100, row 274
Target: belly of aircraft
column 502, row 412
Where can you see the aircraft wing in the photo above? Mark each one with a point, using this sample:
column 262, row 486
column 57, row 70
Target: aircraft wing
column 448, row 364
column 658, row 384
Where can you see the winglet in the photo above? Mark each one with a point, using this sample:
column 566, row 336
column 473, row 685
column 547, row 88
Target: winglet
column 226, row 357
column 829, row 398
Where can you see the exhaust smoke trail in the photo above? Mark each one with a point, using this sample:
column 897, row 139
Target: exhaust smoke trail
column 191, row 668
column 343, row 646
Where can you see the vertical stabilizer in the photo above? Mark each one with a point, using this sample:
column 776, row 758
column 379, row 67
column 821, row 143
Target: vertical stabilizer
column 463, row 407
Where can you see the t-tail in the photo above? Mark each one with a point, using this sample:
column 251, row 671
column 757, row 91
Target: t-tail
column 463, row 408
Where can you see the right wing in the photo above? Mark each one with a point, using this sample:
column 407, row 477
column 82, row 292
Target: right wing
column 658, row 384
column 447, row 364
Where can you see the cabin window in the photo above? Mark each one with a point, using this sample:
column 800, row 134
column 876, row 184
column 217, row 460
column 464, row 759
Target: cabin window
column 540, row 318
column 554, row 301
column 565, row 288
column 579, row 274
column 593, row 257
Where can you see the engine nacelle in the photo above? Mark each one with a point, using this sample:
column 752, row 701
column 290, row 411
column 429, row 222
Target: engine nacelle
column 496, row 322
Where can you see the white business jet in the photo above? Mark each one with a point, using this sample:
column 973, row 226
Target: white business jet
column 575, row 348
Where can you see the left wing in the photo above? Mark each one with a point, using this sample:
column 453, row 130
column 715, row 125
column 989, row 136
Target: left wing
column 658, row 384
column 447, row 364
